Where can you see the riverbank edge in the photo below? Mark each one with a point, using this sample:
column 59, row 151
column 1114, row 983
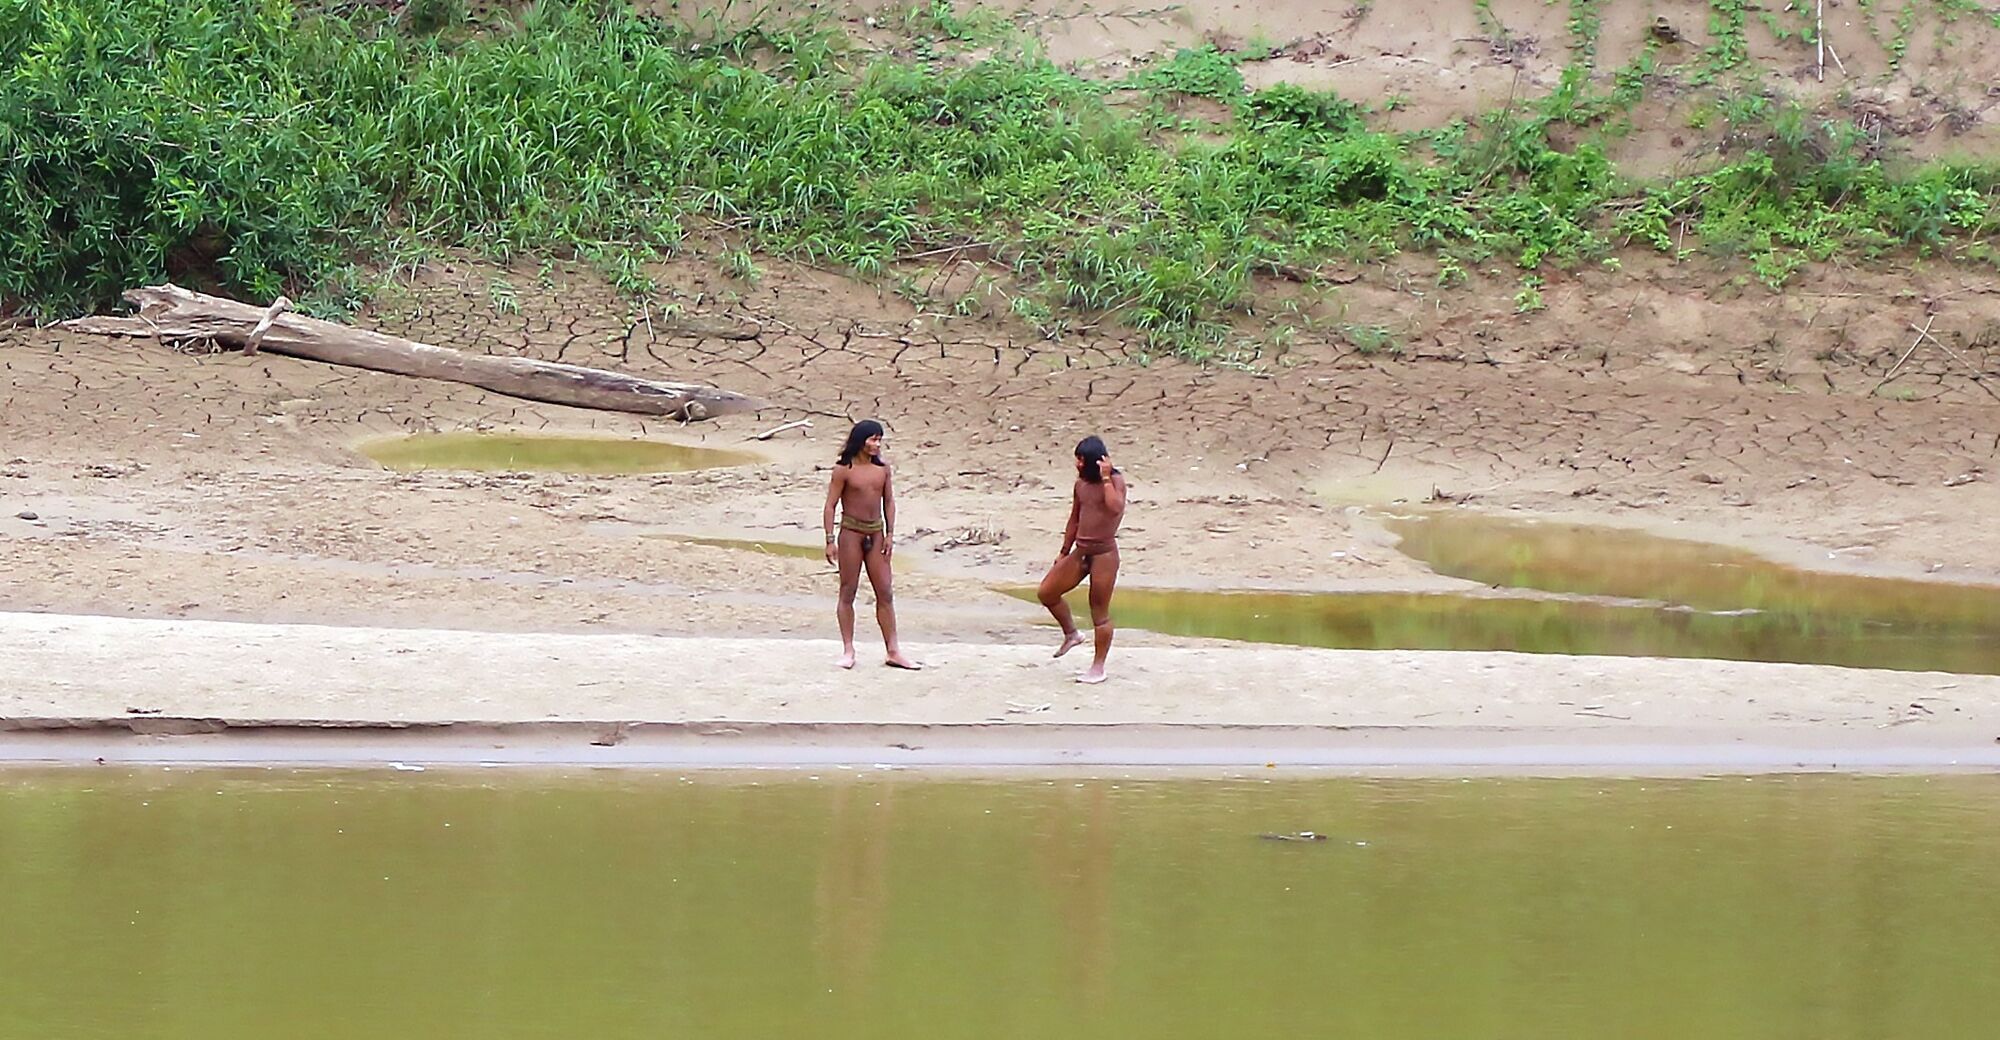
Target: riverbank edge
column 981, row 747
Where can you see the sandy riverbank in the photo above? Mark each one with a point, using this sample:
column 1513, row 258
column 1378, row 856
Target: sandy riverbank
column 1181, row 705
column 196, row 536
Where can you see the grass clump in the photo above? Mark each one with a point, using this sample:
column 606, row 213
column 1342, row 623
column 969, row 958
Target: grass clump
column 1199, row 72
column 427, row 16
column 276, row 150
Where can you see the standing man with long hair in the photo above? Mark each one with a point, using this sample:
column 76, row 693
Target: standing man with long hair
column 864, row 538
column 1089, row 549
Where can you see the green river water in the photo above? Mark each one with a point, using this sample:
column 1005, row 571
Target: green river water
column 325, row 904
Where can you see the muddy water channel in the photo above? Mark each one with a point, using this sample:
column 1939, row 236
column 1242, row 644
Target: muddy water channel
column 1604, row 561
column 767, row 548
column 216, row 906
column 1572, row 589
column 1731, row 603
column 548, row 454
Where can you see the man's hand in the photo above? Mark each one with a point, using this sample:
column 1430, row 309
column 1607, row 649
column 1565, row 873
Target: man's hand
column 888, row 543
column 1105, row 468
column 829, row 550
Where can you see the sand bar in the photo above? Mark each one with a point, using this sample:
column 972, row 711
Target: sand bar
column 76, row 687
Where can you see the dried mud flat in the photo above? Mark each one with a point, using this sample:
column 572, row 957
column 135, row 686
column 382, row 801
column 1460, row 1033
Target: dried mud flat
column 146, row 483
column 174, row 486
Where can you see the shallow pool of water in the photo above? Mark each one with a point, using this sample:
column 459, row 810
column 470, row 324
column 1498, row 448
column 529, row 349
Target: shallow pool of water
column 1606, row 561
column 1706, row 601
column 215, row 906
column 549, row 454
column 1454, row 621
column 768, row 548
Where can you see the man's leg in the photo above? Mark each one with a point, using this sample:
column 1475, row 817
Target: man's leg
column 847, row 552
column 1103, row 579
column 885, row 606
column 1064, row 576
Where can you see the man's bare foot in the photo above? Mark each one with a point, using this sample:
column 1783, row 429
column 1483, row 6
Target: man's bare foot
column 1070, row 642
column 1092, row 677
column 847, row 658
column 897, row 660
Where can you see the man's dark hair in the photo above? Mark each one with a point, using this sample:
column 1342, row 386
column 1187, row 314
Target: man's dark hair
column 858, row 437
column 1090, row 449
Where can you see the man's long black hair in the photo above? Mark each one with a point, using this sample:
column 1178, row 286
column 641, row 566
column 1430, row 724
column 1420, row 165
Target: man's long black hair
column 1090, row 450
column 858, row 437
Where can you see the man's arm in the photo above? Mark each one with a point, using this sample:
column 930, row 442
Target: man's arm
column 888, row 511
column 1069, row 529
column 834, row 488
column 1114, row 493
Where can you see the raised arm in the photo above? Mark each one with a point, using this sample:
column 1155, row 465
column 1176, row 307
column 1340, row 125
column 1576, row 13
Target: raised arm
column 1114, row 493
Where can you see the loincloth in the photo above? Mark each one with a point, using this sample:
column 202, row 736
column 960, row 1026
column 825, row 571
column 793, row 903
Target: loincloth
column 1088, row 547
column 867, row 529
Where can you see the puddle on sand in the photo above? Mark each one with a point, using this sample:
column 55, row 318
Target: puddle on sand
column 788, row 549
column 1702, row 600
column 545, row 454
column 1457, row 621
column 1580, row 559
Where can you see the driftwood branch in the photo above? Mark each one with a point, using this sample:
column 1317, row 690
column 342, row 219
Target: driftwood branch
column 795, row 424
column 256, row 337
column 173, row 314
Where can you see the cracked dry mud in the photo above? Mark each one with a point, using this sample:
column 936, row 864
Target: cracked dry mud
column 1676, row 395
column 189, row 485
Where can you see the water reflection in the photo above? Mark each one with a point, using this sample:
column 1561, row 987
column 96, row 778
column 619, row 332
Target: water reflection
column 193, row 905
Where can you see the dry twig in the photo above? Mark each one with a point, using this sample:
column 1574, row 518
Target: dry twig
column 776, row 430
column 1898, row 366
column 1978, row 377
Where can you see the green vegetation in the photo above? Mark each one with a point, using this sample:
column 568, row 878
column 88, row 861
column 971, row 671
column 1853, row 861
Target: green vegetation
column 1530, row 296
column 274, row 150
column 1202, row 72
column 1906, row 19
column 1730, row 47
column 1370, row 339
column 434, row 15
column 1586, row 21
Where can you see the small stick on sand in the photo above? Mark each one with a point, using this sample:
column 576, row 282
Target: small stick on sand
column 1978, row 377
column 1898, row 366
column 1819, row 33
column 776, row 430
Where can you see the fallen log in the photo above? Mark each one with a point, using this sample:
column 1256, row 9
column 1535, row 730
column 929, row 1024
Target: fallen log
column 175, row 315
